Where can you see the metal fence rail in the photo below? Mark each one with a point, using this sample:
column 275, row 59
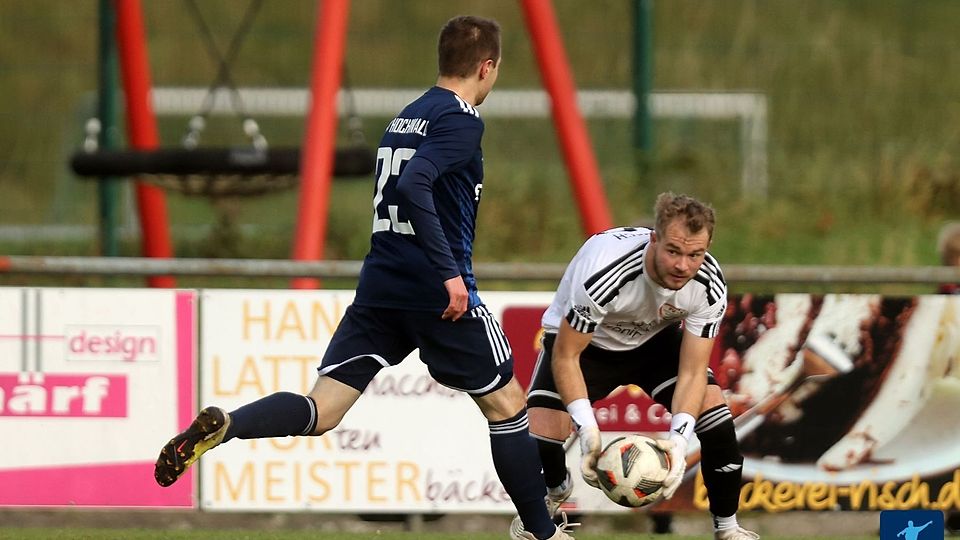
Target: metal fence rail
column 262, row 268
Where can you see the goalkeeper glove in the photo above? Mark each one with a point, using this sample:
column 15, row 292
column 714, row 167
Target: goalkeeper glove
column 676, row 449
column 589, row 454
column 582, row 414
column 681, row 427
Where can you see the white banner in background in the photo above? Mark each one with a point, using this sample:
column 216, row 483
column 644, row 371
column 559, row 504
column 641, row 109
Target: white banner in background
column 408, row 445
column 90, row 382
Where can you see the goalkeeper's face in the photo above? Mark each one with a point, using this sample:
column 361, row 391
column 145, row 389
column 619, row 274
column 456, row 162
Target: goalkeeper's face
column 676, row 255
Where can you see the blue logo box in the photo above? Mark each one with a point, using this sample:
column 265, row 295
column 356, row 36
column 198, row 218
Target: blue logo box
column 911, row 525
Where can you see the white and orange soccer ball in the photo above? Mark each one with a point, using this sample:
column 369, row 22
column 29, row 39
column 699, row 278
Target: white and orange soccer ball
column 631, row 470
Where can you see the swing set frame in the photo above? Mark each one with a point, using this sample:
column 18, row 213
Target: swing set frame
column 318, row 160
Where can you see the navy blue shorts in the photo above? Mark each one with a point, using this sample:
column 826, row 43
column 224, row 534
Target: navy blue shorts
column 471, row 354
column 652, row 366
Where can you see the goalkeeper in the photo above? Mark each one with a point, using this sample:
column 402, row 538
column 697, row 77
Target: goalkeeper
column 640, row 306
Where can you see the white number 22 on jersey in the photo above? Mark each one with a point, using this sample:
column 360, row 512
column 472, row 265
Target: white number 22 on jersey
column 389, row 161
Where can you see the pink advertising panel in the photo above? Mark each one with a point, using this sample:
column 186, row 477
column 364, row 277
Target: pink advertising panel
column 91, row 383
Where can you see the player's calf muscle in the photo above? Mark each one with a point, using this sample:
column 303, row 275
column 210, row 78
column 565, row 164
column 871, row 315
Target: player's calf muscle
column 503, row 403
column 549, row 423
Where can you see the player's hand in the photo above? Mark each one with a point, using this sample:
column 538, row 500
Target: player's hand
column 589, row 454
column 676, row 449
column 457, row 291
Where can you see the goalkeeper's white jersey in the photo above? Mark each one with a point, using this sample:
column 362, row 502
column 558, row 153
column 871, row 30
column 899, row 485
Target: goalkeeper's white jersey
column 606, row 291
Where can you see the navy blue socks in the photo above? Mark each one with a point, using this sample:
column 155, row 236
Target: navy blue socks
column 517, row 462
column 277, row 415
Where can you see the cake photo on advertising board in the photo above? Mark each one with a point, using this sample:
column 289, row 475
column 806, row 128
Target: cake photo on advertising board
column 844, row 387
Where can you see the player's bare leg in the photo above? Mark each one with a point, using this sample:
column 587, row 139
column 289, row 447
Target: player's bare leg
column 333, row 399
column 551, row 428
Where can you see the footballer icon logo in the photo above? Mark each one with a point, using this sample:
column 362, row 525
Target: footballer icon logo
column 911, row 525
column 668, row 312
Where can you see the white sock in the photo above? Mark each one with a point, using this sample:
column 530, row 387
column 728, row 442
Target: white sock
column 723, row 523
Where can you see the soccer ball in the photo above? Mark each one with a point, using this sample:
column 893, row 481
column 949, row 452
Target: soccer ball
column 631, row 470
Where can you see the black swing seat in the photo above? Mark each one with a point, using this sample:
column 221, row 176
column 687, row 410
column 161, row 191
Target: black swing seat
column 217, row 172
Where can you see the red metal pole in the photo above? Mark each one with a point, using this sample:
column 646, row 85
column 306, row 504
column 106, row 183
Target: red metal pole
column 318, row 151
column 142, row 130
column 571, row 129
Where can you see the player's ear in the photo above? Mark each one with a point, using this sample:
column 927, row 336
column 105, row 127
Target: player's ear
column 485, row 68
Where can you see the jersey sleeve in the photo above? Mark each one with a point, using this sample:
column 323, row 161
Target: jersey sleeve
column 450, row 143
column 452, row 140
column 582, row 311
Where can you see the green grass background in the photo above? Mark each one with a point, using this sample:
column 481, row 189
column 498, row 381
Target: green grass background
column 862, row 121
column 142, row 534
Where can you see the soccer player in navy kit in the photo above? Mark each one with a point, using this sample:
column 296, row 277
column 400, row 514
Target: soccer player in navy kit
column 416, row 290
column 615, row 320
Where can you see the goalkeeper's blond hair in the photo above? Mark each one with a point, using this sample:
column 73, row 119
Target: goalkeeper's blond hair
column 695, row 214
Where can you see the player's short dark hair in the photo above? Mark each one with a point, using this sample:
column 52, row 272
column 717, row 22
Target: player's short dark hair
column 695, row 214
column 465, row 42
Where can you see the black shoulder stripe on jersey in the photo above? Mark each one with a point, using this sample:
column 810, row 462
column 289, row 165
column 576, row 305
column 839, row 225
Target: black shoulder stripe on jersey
column 712, row 295
column 623, row 279
column 606, row 270
column 579, row 323
column 714, row 290
column 714, row 265
column 711, row 278
column 708, row 330
column 604, row 284
column 608, row 288
column 712, row 268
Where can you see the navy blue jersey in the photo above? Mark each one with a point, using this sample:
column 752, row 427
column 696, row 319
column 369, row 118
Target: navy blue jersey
column 427, row 189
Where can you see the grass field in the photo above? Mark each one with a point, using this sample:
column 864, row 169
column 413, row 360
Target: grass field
column 141, row 524
column 142, row 534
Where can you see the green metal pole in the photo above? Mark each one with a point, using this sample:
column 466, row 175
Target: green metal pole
column 643, row 79
column 108, row 187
